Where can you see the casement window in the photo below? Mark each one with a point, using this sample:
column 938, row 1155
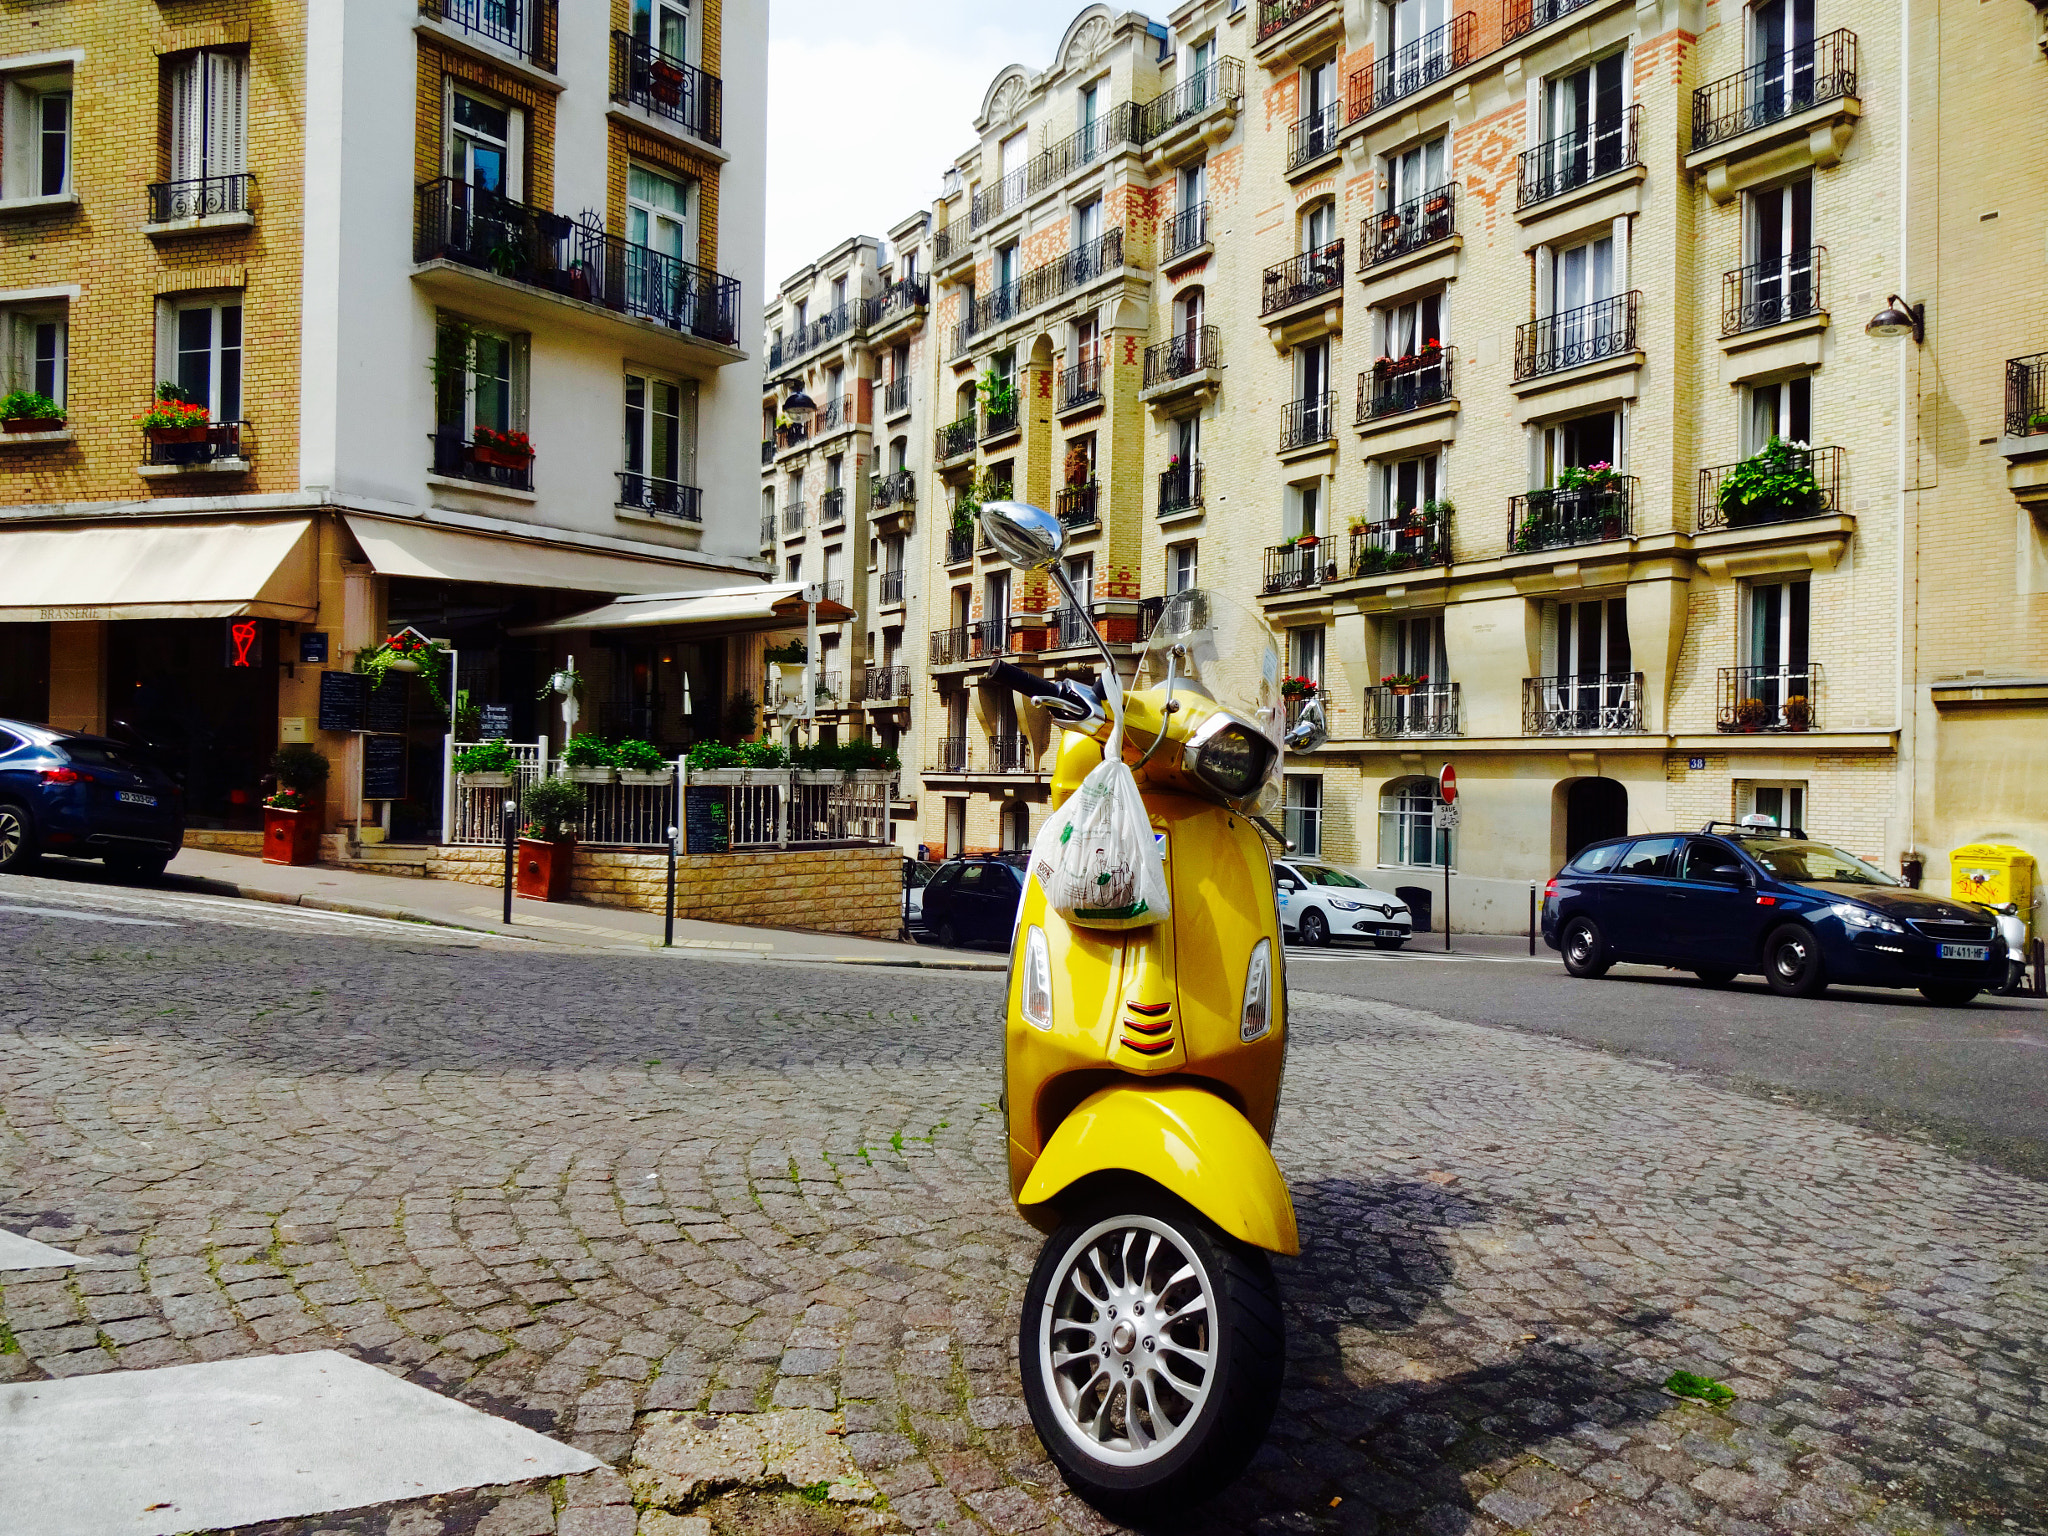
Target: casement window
column 1304, row 508
column 899, row 454
column 1587, row 639
column 794, row 568
column 1081, row 576
column 1319, row 226
column 1781, row 52
column 1778, row 251
column 1190, row 308
column 838, row 293
column 665, row 25
column 1581, row 443
column 1200, row 57
column 1302, row 814
column 199, row 348
column 37, row 339
column 1088, row 224
column 661, row 429
column 1408, row 832
column 1194, row 189
column 1581, row 275
column 1182, row 567
column 660, row 213
column 1407, row 484
column 1585, row 108
column 1312, row 372
column 1006, row 267
column 209, row 111
column 1305, row 652
column 1014, row 152
column 489, row 389
column 1784, row 803
column 37, row 134
column 1784, row 409
column 1187, row 440
column 1414, row 647
column 1779, row 625
column 485, row 144
column 1416, row 170
column 1319, row 88
column 1405, row 329
column 835, row 472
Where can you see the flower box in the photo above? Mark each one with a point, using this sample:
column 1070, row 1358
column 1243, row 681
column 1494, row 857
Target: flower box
column 164, row 435
column 502, row 458
column 668, row 84
column 33, row 423
column 544, row 868
column 291, row 837
column 484, row 780
column 604, row 775
column 647, row 775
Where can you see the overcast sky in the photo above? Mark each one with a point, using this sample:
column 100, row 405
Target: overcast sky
column 870, row 100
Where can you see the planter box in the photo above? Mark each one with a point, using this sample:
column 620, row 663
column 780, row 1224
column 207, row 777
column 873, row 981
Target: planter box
column 638, row 776
column 485, row 780
column 292, row 837
column 162, row 435
column 590, row 775
column 543, row 871
column 33, row 423
column 501, row 458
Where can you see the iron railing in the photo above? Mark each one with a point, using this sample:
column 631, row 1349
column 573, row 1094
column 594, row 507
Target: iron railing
column 1070, row 627
column 1313, row 136
column 1081, row 384
column 832, row 507
column 1772, row 291
column 989, row 637
column 835, row 591
column 896, row 396
column 1301, row 278
column 663, row 497
column 1567, row 515
column 793, row 518
column 1186, row 231
column 767, row 450
column 949, row 646
column 1180, row 488
column 1107, row 133
column 1585, row 704
column 1783, row 698
column 946, row 245
column 1518, row 18
column 905, row 296
column 1412, row 67
column 2026, row 395
column 892, row 586
column 792, row 436
column 1295, row 568
column 833, row 414
column 1406, row 384
column 1604, row 328
column 886, row 682
column 963, row 336
column 959, row 545
column 220, row 441
column 1221, row 81
column 1427, row 709
column 1419, row 222
column 1001, row 423
column 1076, row 506
column 789, row 808
column 995, row 199
column 1313, row 420
column 1573, row 159
column 1011, row 753
column 644, row 76
column 1277, row 15
column 476, row 812
column 898, row 487
column 1721, row 507
column 526, row 27
column 1050, row 280
column 1178, row 356
column 200, row 197
column 1776, row 87
column 1414, row 539
column 954, row 439
column 949, row 754
column 850, row 317
column 767, row 527
column 455, row 456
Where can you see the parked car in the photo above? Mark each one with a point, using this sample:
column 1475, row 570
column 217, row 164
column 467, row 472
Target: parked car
column 1320, row 902
column 1752, row 900
column 67, row 792
column 916, row 876
column 973, row 901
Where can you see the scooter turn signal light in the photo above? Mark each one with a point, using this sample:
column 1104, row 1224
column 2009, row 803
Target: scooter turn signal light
column 1036, row 1002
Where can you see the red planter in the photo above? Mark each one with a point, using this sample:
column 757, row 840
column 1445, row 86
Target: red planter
column 162, row 435
column 292, row 837
column 544, row 868
column 503, row 458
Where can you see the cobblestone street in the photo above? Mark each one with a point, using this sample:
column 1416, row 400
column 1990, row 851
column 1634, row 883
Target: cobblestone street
column 588, row 1192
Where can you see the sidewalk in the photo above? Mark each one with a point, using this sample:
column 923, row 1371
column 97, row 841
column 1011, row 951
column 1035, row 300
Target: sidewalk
column 575, row 925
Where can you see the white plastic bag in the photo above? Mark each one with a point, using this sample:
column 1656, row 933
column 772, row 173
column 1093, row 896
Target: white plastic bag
column 1096, row 856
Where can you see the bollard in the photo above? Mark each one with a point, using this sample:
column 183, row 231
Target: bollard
column 511, row 854
column 1532, row 919
column 668, row 924
column 2040, row 969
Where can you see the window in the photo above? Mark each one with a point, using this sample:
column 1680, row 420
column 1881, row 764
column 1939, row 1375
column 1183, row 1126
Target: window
column 1305, row 653
column 835, row 472
column 1778, row 248
column 899, row 451
column 1584, row 107
column 203, row 343
column 1319, row 89
column 37, row 135
column 1785, row 804
column 491, row 392
column 658, row 213
column 1580, row 443
column 1304, row 508
column 664, row 24
column 661, row 429
column 1408, row 834
column 1302, row 816
column 36, row 339
column 794, row 568
column 1650, row 857
column 1319, row 226
column 1088, row 225
column 1006, row 267
column 1582, row 275
column 1781, row 39
column 1415, row 647
column 838, row 293
column 208, row 115
column 1187, row 441
column 995, row 598
column 1190, row 305
column 1407, row 484
column 1181, row 568
column 803, row 311
column 1779, row 410
column 1407, row 328
column 1409, row 21
column 1589, row 639
column 483, row 143
column 1778, row 632
column 1015, row 150
column 1081, row 577
column 1412, row 172
column 1312, row 376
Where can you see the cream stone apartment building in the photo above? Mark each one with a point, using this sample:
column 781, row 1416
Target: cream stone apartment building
column 455, row 283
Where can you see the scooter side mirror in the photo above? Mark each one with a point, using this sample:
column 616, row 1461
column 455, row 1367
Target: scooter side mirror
column 1308, row 732
column 1029, row 537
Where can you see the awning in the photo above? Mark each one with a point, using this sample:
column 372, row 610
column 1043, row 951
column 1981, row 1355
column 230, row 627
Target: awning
column 449, row 554
column 726, row 610
column 159, row 571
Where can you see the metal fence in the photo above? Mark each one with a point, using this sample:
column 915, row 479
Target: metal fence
column 789, row 808
column 476, row 813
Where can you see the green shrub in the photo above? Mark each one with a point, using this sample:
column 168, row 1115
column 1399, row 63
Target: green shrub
column 299, row 766
column 586, row 751
column 27, row 403
column 554, row 809
column 748, row 754
column 1777, row 480
column 846, row 756
column 639, row 756
column 792, row 654
column 487, row 757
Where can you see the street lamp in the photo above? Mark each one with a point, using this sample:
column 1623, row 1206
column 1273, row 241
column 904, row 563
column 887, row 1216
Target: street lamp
column 800, row 408
column 1898, row 318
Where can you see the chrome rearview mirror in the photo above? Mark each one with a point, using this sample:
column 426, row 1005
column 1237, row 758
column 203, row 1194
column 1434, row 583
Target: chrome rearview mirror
column 1029, row 537
column 1310, row 731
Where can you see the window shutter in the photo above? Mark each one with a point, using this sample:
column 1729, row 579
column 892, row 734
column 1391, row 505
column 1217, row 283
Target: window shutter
column 686, row 433
column 521, row 358
column 1550, row 621
column 227, row 76
column 188, row 125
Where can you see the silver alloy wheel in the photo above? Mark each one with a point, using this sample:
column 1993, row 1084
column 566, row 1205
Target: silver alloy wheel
column 1579, row 944
column 1127, row 1340
column 1793, row 949
column 11, row 834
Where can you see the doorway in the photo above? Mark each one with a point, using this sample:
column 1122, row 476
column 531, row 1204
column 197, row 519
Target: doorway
column 1594, row 809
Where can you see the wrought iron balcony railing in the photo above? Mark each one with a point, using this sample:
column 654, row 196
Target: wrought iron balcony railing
column 1398, row 385
column 1412, row 67
column 832, row 507
column 1222, row 81
column 221, row 441
column 1180, row 488
column 2026, row 395
column 1301, row 278
column 1000, row 423
column 1782, row 698
column 948, row 243
column 1070, row 627
column 662, row 497
column 1313, row 420
column 793, row 517
column 1278, row 15
column 998, row 197
column 1111, row 131
column 767, row 450
column 892, row 586
column 1050, row 280
column 1427, row 709
column 949, row 646
column 851, row 317
column 963, row 338
column 949, row 753
column 668, row 87
column 1081, row 384
column 1186, row 231
column 1295, row 567
column 904, row 296
column 835, row 592
column 835, row 413
column 1313, row 136
column 1518, row 18
column 959, row 545
column 200, row 197
column 879, row 683
column 1584, row 704
column 1410, row 540
column 1591, row 513
column 896, row 396
column 1812, row 488
column 1605, row 328
column 1178, row 356
column 1011, row 754
column 1771, row 292
column 767, row 528
column 989, row 637
column 1778, row 86
column 526, row 27
column 1076, row 506
column 792, row 436
column 1419, row 222
column 954, row 439
column 1573, row 159
column 457, row 457
column 898, row 488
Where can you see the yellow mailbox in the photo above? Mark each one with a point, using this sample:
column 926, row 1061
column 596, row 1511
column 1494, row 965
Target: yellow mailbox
column 1994, row 873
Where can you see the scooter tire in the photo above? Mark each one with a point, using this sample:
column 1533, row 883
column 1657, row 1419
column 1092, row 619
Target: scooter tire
column 1246, row 1346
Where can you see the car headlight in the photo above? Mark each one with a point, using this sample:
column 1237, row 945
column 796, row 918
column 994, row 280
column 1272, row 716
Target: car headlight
column 1036, row 1002
column 1864, row 918
column 1346, row 906
column 1257, row 1017
column 1234, row 760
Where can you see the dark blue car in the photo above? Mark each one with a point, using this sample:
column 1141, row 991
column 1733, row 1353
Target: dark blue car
column 1742, row 900
column 66, row 792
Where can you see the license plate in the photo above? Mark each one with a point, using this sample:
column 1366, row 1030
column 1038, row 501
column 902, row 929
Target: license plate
column 134, row 797
column 1393, row 933
column 1966, row 951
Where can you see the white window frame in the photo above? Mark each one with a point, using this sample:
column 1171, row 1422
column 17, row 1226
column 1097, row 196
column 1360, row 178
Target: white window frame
column 649, row 217
column 514, row 146
column 684, row 457
column 20, row 327
column 518, row 357
column 1183, row 566
column 1407, row 810
column 170, row 309
column 1301, row 812
column 209, row 114
column 29, row 84
column 1790, row 795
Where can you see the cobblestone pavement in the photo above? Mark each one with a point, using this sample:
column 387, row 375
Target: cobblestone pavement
column 587, row 1191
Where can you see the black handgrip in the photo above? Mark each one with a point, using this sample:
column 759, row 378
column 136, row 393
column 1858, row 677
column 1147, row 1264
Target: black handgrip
column 1007, row 674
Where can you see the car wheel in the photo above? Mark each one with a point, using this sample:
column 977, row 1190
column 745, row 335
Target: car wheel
column 1792, row 963
column 1713, row 975
column 1949, row 996
column 137, row 866
column 1585, row 948
column 948, row 935
column 1315, row 928
column 1388, row 943
column 17, row 840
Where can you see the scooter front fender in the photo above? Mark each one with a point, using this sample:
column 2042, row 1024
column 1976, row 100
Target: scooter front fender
column 1186, row 1139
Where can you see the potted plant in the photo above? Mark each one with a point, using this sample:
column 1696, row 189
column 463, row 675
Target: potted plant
column 587, row 760
column 1798, row 712
column 175, row 418
column 1298, row 688
column 410, row 652
column 506, row 450
column 1751, row 714
column 641, row 762
column 547, row 843
column 1775, row 482
column 1403, row 683
column 488, row 765
column 294, row 810
column 2038, row 422
column 23, row 410
column 1305, row 541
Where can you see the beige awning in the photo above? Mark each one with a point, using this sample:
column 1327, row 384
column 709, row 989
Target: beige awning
column 725, row 610
column 449, row 554
column 159, row 571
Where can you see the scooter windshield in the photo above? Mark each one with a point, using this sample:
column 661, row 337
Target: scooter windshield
column 1221, row 648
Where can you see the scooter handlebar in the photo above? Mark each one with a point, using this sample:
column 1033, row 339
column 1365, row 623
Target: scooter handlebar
column 1069, row 703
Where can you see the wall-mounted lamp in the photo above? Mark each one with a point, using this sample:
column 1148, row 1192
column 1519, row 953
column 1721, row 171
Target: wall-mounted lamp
column 800, row 408
column 1898, row 318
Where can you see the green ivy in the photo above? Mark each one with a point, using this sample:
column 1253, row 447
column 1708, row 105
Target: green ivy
column 1776, row 481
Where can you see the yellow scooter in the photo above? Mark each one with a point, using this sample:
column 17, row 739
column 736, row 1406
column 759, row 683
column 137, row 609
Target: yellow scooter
column 1143, row 1068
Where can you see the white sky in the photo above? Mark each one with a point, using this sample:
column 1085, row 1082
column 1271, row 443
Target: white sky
column 870, row 100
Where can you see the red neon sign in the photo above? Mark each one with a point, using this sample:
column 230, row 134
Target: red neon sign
column 242, row 636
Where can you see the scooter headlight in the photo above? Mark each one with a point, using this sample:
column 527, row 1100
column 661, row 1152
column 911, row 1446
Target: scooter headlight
column 1234, row 760
column 1036, row 1003
column 1257, row 1017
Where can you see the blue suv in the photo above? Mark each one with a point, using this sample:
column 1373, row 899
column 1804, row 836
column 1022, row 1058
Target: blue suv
column 1767, row 901
column 65, row 792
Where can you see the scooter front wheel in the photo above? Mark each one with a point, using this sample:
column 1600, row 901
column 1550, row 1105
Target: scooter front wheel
column 1152, row 1350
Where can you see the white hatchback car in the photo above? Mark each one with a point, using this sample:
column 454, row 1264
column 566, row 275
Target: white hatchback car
column 1319, row 902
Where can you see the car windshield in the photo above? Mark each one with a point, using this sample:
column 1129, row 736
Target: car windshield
column 1322, row 874
column 1791, row 860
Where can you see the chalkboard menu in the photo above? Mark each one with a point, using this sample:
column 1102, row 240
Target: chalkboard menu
column 341, row 700
column 496, row 722
column 383, row 767
column 384, row 708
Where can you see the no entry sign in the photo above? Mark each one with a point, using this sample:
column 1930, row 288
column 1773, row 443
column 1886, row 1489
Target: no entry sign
column 1447, row 784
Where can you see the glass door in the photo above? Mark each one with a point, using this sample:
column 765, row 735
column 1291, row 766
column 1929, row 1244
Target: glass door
column 1594, row 664
column 1781, row 46
column 660, row 238
column 1778, row 627
column 663, row 25
column 1581, row 278
column 1780, row 239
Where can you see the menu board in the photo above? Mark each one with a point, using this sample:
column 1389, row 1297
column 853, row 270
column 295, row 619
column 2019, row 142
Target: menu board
column 384, row 708
column 383, row 767
column 341, row 700
column 495, row 722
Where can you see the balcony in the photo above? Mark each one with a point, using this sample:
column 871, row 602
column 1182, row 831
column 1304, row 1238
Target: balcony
column 1591, row 510
column 1220, row 85
column 2026, row 395
column 1003, row 423
column 903, row 302
column 1051, row 280
column 949, row 646
column 963, row 340
column 675, row 91
column 661, row 497
column 1180, row 489
column 1116, row 129
column 949, row 753
column 834, row 592
column 999, row 198
column 898, row 488
column 1427, row 709
column 1185, row 233
column 201, row 203
column 949, row 245
column 1588, row 704
column 1518, row 18
column 791, row 436
column 989, row 637
column 1179, row 357
column 458, row 457
column 767, row 529
column 1578, row 159
column 476, row 228
column 1295, row 567
column 1276, row 16
column 527, row 30
column 960, row 545
column 850, row 318
column 954, row 440
column 880, row 684
column 832, row 507
column 896, row 396
column 1780, row 86
column 1412, row 67
column 1771, row 292
column 835, row 415
column 1415, row 225
column 1575, row 337
column 1081, row 385
column 1011, row 754
column 792, row 519
column 217, row 448
column 1313, row 137
column 1777, row 485
column 1076, row 506
column 1304, row 423
column 892, row 587
column 1417, row 538
column 1301, row 278
column 1396, row 386
column 1786, row 698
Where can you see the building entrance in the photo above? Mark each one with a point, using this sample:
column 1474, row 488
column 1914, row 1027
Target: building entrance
column 201, row 694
